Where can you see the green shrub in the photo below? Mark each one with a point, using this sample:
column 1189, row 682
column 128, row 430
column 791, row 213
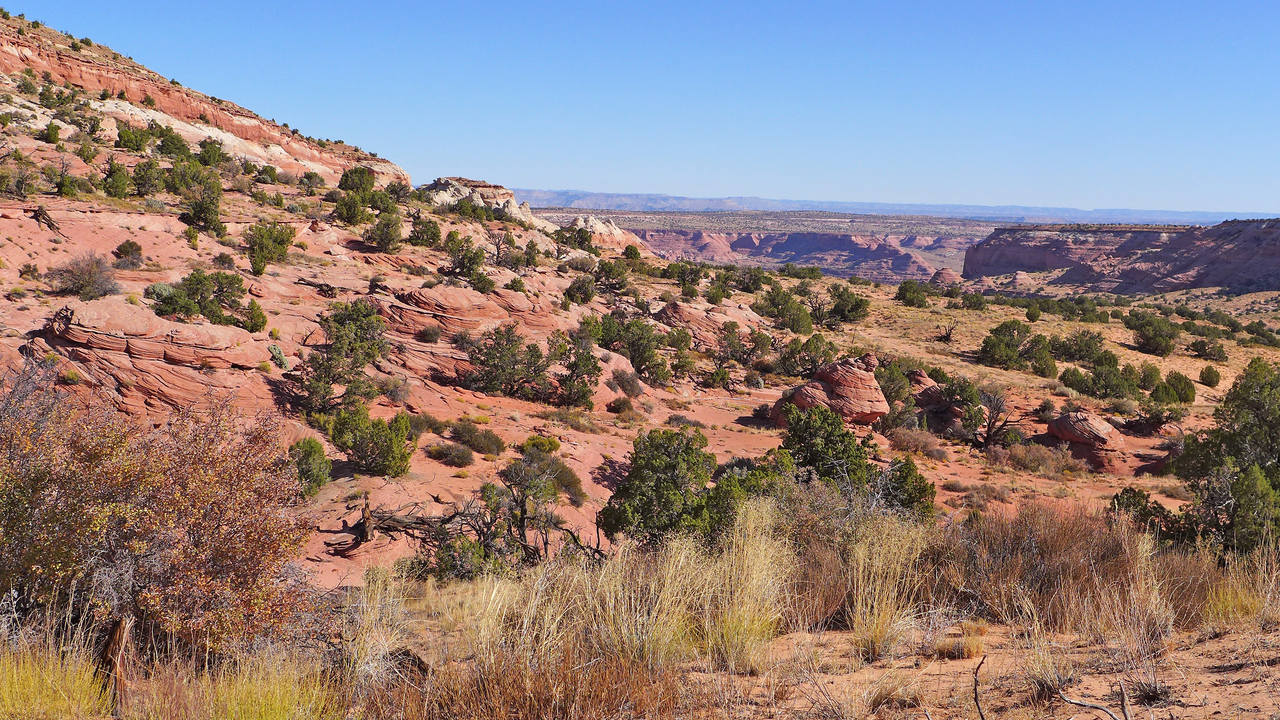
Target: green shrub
column 148, row 178
column 1153, row 334
column 313, row 467
column 211, row 153
column 1081, row 346
column 466, row 259
column 128, row 255
column 481, row 283
column 1230, row 470
column 1206, row 350
column 789, row 312
column 50, row 134
column 847, row 306
column 1182, row 387
column 581, row 290
column 485, row 442
column 660, row 493
column 1148, row 376
column 377, row 447
column 451, row 454
column 385, row 234
column 357, row 180
column 254, row 318
column 354, row 338
column 350, row 209
column 268, row 242
column 171, row 143
column 424, row 232
column 1210, row 377
column 912, row 293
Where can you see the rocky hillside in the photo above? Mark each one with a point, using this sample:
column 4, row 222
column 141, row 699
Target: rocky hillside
column 160, row 250
column 1240, row 256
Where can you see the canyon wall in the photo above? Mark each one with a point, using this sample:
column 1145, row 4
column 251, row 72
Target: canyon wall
column 1238, row 255
column 879, row 258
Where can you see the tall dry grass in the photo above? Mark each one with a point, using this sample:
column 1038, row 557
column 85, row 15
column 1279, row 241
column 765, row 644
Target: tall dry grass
column 1058, row 557
column 575, row 640
column 672, row 631
column 268, row 685
column 44, row 678
column 652, row 608
column 880, row 583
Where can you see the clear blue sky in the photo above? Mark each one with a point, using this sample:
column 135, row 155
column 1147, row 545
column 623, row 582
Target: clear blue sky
column 1158, row 105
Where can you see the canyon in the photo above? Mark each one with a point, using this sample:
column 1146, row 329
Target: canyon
column 1238, row 256
column 881, row 248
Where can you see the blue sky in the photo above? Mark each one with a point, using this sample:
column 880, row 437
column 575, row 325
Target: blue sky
column 1168, row 105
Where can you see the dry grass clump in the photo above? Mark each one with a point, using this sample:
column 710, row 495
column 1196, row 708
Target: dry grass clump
column 969, row 645
column 573, row 640
column 1058, row 557
column 1046, row 667
column 890, row 691
column 915, row 440
column 1136, row 620
column 42, row 678
column 263, row 686
column 1217, row 593
column 879, row 583
column 1030, row 457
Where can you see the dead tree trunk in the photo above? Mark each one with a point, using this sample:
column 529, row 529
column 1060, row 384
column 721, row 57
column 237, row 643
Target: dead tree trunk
column 114, row 661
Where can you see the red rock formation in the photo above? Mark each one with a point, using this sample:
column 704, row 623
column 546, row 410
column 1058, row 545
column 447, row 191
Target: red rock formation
column 848, row 387
column 870, row 257
column 945, row 278
column 705, row 323
column 150, row 363
column 1241, row 255
column 96, row 68
column 1090, row 437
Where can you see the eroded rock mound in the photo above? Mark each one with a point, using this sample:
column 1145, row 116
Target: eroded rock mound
column 945, row 278
column 1090, row 436
column 848, row 387
column 148, row 362
column 447, row 191
column 705, row 324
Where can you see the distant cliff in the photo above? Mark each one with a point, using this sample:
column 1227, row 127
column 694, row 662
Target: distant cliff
column 1239, row 255
column 873, row 258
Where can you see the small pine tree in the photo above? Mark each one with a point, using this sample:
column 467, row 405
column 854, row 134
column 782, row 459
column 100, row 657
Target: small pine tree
column 1210, row 377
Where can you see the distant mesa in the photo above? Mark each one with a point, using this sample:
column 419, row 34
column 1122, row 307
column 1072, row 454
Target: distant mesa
column 1240, row 256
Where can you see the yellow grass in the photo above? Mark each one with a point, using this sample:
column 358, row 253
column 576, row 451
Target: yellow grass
column 39, row 682
column 881, row 583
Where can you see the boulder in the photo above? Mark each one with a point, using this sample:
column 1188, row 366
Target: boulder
column 1089, row 436
column 1086, row 428
column 945, row 278
column 848, row 387
column 705, row 322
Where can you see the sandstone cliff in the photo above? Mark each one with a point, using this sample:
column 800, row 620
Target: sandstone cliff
column 873, row 258
column 1239, row 255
